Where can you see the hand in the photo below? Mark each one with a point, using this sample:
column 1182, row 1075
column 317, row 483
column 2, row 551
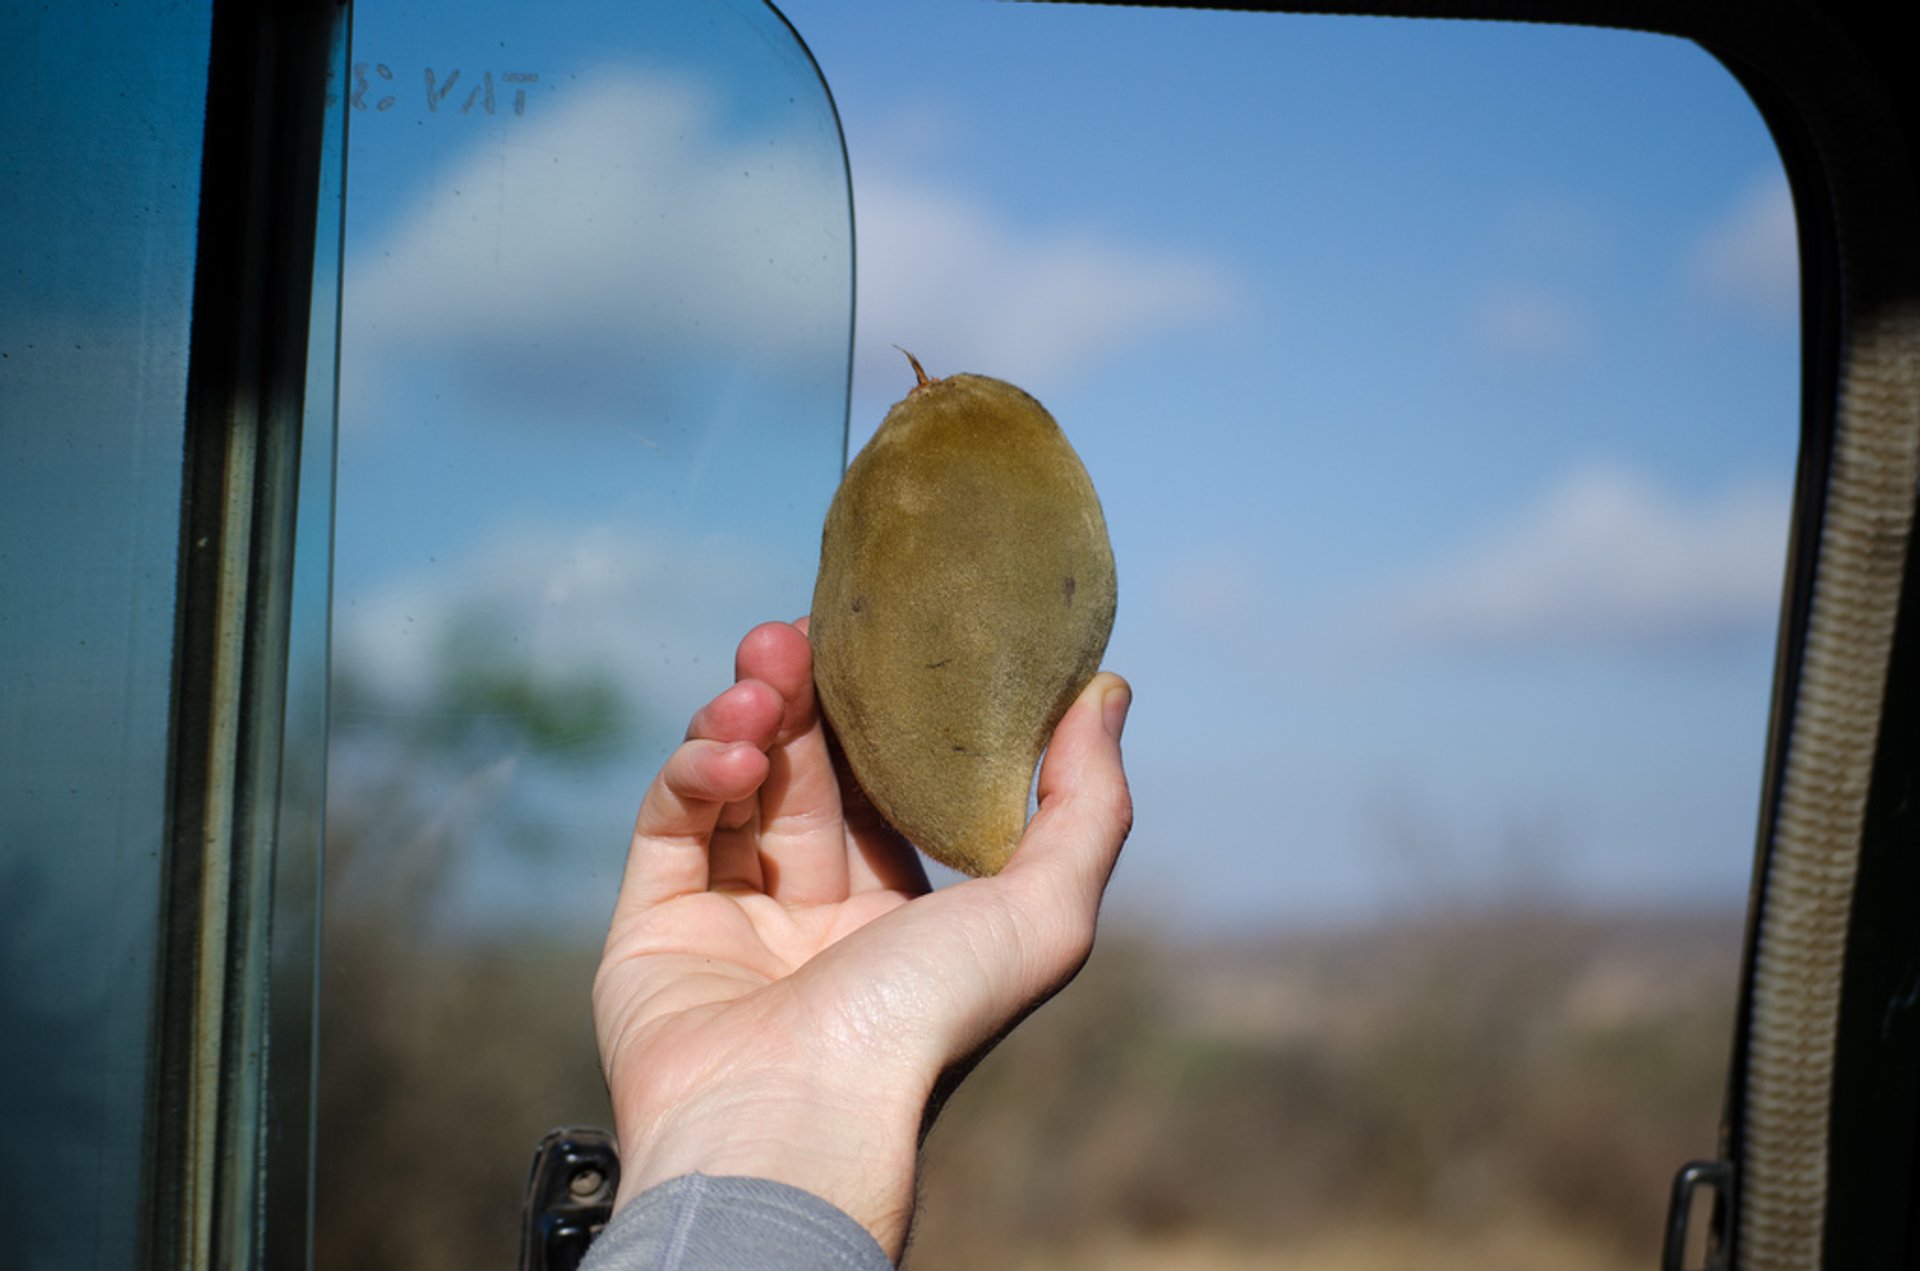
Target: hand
column 781, row 995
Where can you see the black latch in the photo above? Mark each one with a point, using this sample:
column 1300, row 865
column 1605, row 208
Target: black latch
column 569, row 1198
column 1693, row 1176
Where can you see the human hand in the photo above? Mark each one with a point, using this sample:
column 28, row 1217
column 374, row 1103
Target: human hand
column 780, row 994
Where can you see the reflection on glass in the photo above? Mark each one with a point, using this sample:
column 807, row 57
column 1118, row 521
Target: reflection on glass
column 98, row 255
column 598, row 290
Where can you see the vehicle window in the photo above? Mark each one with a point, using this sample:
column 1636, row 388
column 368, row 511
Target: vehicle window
column 594, row 360
column 1440, row 384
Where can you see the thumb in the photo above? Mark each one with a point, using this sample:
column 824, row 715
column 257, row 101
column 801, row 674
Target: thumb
column 1086, row 809
column 1024, row 932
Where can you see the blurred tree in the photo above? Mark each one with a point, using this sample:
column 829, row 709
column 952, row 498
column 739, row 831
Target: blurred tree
column 446, row 1051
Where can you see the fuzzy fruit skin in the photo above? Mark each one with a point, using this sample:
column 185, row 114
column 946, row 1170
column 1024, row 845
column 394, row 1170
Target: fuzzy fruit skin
column 965, row 595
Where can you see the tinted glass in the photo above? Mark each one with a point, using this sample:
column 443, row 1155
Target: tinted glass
column 98, row 258
column 598, row 294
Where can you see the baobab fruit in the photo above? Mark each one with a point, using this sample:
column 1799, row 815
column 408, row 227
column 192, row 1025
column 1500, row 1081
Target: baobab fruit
column 965, row 595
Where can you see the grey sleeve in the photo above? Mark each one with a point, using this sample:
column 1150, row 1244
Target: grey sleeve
column 702, row 1223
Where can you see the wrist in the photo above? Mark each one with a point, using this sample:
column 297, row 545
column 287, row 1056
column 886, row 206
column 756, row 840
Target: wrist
column 855, row 1149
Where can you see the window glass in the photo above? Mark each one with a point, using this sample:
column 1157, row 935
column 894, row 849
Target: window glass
column 98, row 258
column 286, row 1211
column 595, row 348
column 1440, row 384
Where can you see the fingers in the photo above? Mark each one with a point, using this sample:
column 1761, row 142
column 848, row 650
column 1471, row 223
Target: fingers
column 748, row 711
column 751, row 710
column 695, row 832
column 777, row 654
column 677, row 846
column 803, row 845
column 717, row 816
column 671, row 834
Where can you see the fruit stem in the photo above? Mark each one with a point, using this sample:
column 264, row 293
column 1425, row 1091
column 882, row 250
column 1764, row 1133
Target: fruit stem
column 918, row 372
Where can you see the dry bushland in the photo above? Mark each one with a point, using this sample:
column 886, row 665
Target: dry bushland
column 1519, row 1081
column 1516, row 1078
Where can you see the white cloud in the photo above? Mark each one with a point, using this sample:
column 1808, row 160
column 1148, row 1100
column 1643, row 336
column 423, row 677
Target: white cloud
column 639, row 604
column 967, row 290
column 1516, row 322
column 624, row 221
column 624, row 229
column 1605, row 558
column 1749, row 257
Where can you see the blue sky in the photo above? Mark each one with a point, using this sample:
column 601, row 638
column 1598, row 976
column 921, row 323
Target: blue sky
column 1439, row 380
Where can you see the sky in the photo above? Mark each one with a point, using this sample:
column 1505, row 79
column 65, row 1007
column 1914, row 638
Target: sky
column 1439, row 381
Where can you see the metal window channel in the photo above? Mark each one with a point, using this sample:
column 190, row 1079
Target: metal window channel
column 229, row 1111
